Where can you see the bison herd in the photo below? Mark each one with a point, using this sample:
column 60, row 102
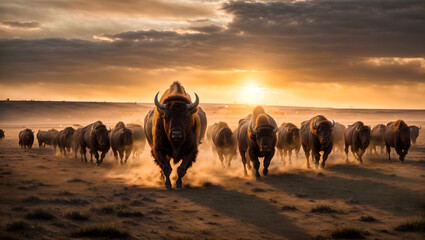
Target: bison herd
column 176, row 126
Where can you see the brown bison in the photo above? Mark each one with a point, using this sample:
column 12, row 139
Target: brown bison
column 139, row 139
column 256, row 136
column 377, row 138
column 223, row 142
column 414, row 133
column 44, row 138
column 53, row 136
column 76, row 137
column 1, row 133
column 26, row 139
column 358, row 137
column 64, row 140
column 397, row 135
column 338, row 132
column 288, row 139
column 316, row 136
column 95, row 137
column 173, row 130
column 121, row 140
column 203, row 118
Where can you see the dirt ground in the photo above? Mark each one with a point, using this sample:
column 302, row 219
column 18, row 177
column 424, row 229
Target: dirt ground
column 215, row 203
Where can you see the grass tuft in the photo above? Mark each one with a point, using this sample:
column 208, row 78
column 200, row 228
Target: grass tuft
column 322, row 209
column 77, row 216
column 367, row 219
column 412, row 225
column 125, row 213
column 100, row 231
column 348, row 233
column 18, row 226
column 40, row 214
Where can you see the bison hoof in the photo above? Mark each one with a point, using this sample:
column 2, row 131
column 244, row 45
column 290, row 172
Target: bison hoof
column 179, row 184
column 257, row 176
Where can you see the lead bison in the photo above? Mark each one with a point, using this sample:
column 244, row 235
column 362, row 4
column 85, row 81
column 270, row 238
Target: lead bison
column 288, row 139
column 95, row 137
column 64, row 140
column 1, row 133
column 121, row 140
column 397, row 135
column 377, row 138
column 257, row 137
column 223, row 142
column 139, row 139
column 173, row 130
column 414, row 133
column 26, row 139
column 338, row 132
column 357, row 137
column 316, row 136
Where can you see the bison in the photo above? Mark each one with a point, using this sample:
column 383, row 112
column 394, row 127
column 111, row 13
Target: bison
column 414, row 133
column 288, row 139
column 358, row 137
column 95, row 137
column 26, row 139
column 44, row 138
column 121, row 140
column 203, row 118
column 76, row 137
column 1, row 133
column 338, row 132
column 377, row 138
column 173, row 130
column 65, row 139
column 397, row 135
column 139, row 139
column 53, row 136
column 256, row 136
column 223, row 142
column 316, row 136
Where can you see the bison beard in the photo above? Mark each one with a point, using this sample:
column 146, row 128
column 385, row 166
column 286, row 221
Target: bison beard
column 257, row 141
column 173, row 130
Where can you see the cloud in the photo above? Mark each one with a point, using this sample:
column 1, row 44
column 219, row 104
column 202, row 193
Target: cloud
column 303, row 42
column 21, row 25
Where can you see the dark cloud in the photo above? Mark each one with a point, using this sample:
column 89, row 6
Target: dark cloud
column 23, row 25
column 312, row 41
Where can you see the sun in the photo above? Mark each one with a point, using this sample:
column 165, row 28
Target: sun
column 252, row 89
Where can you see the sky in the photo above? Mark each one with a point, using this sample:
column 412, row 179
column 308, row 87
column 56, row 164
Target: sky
column 330, row 53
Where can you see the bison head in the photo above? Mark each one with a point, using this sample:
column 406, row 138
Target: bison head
column 364, row 135
column 101, row 134
column 323, row 130
column 264, row 136
column 414, row 133
column 176, row 117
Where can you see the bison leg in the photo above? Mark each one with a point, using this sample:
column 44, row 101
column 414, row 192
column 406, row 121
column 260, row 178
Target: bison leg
column 267, row 161
column 182, row 169
column 389, row 152
column 307, row 154
column 346, row 152
column 317, row 156
column 164, row 163
column 220, row 156
column 285, row 153
column 121, row 156
column 297, row 151
column 400, row 153
column 255, row 162
column 127, row 155
column 243, row 157
column 290, row 156
column 114, row 151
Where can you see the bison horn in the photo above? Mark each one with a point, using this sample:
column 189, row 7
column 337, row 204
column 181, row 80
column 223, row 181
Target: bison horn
column 159, row 106
column 194, row 104
column 252, row 130
column 333, row 123
column 275, row 130
column 315, row 124
column 92, row 128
